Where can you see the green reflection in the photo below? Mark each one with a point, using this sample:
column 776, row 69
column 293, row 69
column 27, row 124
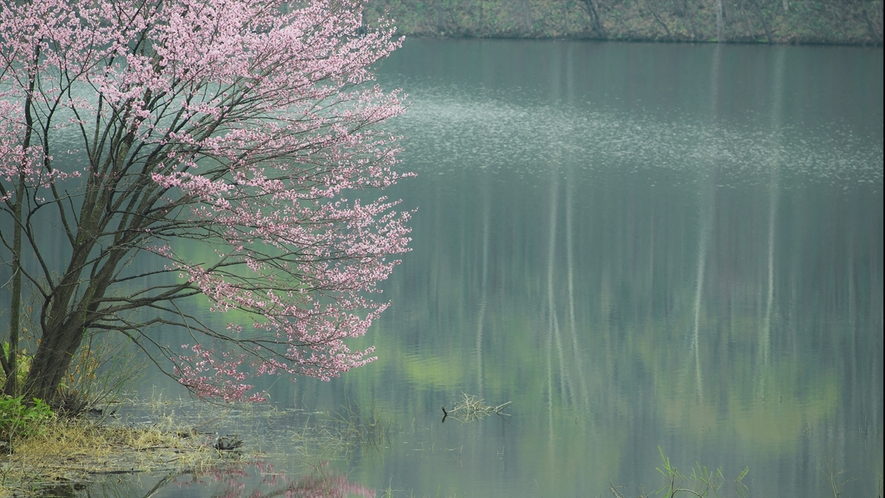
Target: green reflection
column 639, row 246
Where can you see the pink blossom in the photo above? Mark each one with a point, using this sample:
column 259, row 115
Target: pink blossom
column 241, row 125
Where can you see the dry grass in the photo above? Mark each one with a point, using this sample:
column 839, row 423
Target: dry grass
column 179, row 440
column 342, row 434
column 77, row 451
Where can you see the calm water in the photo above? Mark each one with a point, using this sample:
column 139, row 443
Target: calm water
column 638, row 246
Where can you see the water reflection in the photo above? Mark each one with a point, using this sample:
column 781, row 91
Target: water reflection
column 658, row 281
column 232, row 479
column 639, row 246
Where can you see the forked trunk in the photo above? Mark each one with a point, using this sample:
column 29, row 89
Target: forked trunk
column 51, row 363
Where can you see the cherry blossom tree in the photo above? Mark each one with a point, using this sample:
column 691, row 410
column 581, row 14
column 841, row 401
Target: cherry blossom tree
column 223, row 143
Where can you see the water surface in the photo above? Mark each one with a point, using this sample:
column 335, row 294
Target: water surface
column 640, row 246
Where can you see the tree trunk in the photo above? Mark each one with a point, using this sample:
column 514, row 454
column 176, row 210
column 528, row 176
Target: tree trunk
column 10, row 364
column 877, row 37
column 69, row 312
column 653, row 8
column 689, row 14
column 440, row 18
column 593, row 13
column 758, row 9
column 52, row 361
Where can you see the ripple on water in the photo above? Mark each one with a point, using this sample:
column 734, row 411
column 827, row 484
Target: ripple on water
column 457, row 131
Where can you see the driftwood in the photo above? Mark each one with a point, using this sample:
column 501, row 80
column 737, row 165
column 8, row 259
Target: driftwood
column 470, row 408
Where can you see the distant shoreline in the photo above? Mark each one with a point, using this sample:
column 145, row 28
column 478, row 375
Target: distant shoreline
column 774, row 22
column 638, row 40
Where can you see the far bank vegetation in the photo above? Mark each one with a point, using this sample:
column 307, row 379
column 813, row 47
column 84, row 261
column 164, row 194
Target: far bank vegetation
column 857, row 22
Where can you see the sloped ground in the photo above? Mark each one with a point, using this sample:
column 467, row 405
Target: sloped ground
column 747, row 21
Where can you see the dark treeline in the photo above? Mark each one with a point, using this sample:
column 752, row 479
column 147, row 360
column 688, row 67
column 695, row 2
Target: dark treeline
column 755, row 21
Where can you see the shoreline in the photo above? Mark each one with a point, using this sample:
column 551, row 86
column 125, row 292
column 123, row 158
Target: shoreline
column 642, row 40
column 767, row 22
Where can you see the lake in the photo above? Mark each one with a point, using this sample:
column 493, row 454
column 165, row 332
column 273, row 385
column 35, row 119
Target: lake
column 640, row 247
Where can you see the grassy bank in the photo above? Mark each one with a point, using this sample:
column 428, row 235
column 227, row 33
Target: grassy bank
column 177, row 441
column 856, row 22
column 72, row 452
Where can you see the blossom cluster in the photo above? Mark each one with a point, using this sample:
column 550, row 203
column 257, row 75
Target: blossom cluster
column 250, row 127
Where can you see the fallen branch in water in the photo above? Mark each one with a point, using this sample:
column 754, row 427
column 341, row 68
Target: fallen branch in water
column 471, row 408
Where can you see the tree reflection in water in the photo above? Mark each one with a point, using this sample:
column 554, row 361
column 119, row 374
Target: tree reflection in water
column 233, row 478
column 259, row 479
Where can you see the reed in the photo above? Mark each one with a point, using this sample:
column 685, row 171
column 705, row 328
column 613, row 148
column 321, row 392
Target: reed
column 700, row 483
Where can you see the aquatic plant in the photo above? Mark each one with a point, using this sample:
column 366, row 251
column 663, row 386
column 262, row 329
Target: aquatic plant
column 702, row 482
